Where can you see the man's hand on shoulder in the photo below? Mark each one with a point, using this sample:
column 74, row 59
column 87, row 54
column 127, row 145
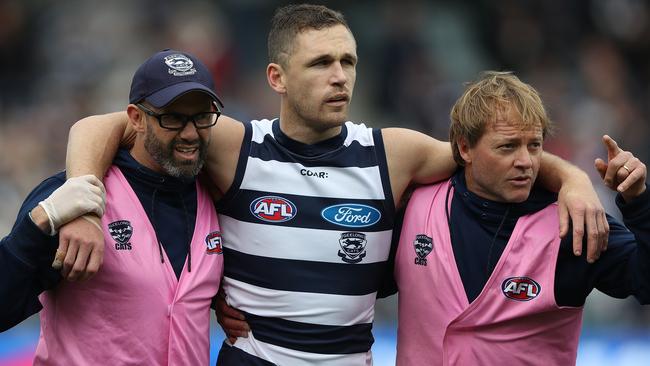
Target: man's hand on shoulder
column 579, row 203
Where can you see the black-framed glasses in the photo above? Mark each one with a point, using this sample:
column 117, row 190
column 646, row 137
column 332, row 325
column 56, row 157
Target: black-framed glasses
column 178, row 121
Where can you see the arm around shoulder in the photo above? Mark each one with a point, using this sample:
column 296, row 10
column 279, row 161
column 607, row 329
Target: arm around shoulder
column 226, row 139
column 93, row 143
column 578, row 202
column 414, row 157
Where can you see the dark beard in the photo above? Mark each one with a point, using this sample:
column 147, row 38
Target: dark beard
column 164, row 156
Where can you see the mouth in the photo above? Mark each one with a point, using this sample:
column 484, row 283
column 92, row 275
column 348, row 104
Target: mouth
column 338, row 99
column 186, row 152
column 522, row 180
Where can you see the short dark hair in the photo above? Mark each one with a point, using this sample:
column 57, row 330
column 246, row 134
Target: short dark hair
column 288, row 21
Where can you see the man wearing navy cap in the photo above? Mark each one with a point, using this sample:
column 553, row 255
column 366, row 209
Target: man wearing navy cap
column 162, row 263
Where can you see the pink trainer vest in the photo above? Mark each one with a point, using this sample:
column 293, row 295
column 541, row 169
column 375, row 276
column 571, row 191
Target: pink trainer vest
column 135, row 311
column 514, row 321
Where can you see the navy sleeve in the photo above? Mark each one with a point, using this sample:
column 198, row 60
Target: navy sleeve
column 636, row 216
column 26, row 255
column 621, row 271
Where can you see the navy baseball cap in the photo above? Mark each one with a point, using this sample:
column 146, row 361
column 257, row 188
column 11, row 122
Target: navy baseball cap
column 168, row 75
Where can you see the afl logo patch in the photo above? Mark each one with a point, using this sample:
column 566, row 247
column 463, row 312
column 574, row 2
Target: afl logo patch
column 273, row 209
column 520, row 288
column 351, row 215
column 213, row 243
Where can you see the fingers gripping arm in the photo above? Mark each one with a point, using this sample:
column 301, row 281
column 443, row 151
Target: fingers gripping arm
column 232, row 321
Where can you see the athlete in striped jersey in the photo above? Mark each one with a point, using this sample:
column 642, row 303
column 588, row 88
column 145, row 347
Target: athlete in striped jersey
column 307, row 201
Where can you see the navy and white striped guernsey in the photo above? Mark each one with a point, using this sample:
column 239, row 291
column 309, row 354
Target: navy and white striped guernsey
column 306, row 236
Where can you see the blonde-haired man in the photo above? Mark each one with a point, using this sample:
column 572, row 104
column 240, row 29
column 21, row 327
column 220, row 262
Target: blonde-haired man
column 483, row 275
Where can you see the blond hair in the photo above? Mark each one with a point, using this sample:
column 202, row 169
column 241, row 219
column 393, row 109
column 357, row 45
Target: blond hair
column 485, row 100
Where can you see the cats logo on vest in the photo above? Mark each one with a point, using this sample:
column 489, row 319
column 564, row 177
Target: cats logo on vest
column 520, row 288
column 423, row 245
column 121, row 232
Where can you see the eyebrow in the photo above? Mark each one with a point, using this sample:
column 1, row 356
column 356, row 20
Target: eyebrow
column 319, row 58
column 516, row 140
column 328, row 57
column 350, row 56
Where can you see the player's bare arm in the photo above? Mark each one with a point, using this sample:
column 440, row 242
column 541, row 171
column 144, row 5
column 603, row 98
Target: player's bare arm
column 578, row 200
column 223, row 153
column 94, row 141
column 414, row 157
column 417, row 158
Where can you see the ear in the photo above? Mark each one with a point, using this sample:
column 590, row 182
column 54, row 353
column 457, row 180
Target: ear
column 137, row 118
column 275, row 77
column 464, row 150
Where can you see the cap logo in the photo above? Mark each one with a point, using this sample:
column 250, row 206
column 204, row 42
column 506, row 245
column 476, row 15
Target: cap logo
column 180, row 65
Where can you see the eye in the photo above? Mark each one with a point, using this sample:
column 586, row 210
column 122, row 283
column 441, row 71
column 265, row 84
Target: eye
column 507, row 146
column 320, row 62
column 348, row 61
column 177, row 117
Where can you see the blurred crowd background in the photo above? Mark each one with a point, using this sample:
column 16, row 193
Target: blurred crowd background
column 590, row 59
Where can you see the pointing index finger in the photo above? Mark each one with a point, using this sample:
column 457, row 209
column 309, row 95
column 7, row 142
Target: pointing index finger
column 612, row 147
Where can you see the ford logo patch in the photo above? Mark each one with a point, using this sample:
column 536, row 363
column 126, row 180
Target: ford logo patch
column 351, row 215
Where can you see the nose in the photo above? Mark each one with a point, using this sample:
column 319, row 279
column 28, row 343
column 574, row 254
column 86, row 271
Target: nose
column 523, row 158
column 189, row 132
column 338, row 76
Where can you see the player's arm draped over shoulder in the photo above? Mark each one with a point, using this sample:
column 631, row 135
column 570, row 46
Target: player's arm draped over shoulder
column 414, row 157
column 223, row 153
column 93, row 143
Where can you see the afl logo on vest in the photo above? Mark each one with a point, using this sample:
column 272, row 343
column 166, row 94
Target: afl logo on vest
column 121, row 232
column 213, row 242
column 520, row 288
column 273, row 209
